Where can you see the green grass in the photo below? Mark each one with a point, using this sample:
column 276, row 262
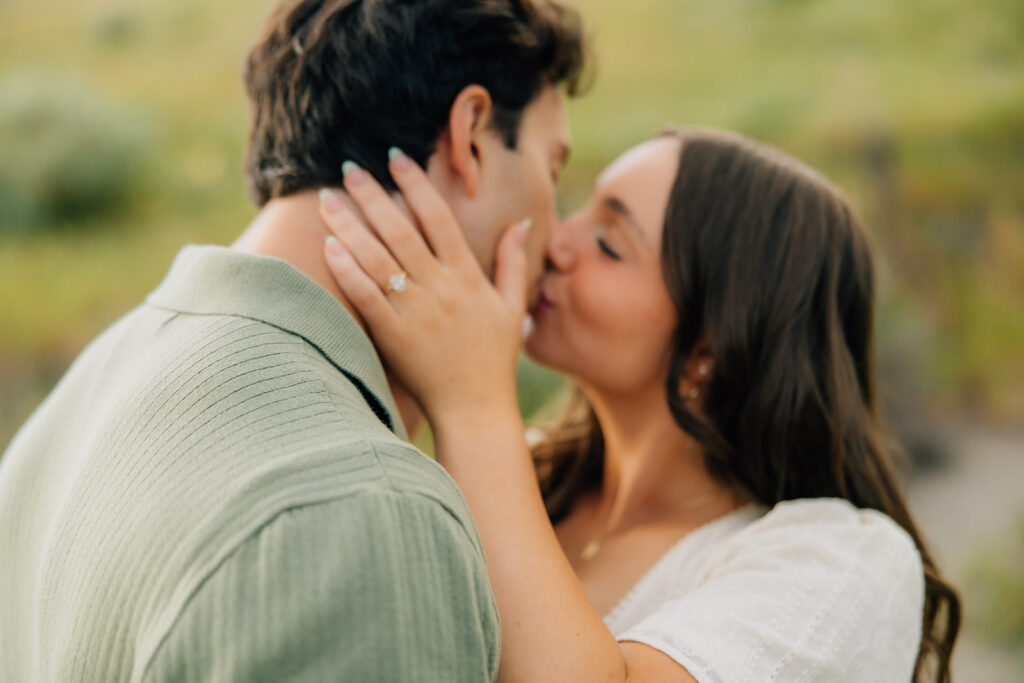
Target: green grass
column 934, row 84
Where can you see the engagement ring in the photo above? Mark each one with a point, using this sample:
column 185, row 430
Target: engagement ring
column 397, row 283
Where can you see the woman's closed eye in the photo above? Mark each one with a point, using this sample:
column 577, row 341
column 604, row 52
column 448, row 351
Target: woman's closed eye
column 608, row 251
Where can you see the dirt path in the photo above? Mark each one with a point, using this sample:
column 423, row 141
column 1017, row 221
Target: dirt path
column 973, row 503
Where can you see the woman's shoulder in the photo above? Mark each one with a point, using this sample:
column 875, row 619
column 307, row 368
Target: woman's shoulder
column 813, row 515
column 809, row 590
column 829, row 531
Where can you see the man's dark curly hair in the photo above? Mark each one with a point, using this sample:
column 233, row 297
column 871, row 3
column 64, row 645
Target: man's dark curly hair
column 332, row 80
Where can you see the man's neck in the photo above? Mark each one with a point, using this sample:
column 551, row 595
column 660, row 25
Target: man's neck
column 290, row 229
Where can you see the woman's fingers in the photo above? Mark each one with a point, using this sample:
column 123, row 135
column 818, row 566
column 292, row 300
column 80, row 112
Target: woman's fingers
column 432, row 211
column 510, row 274
column 359, row 288
column 370, row 255
column 395, row 230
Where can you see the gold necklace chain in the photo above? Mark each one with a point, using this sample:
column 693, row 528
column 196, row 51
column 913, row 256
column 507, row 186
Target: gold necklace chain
column 591, row 549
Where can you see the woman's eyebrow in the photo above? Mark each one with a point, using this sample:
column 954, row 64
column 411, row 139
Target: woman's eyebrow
column 617, row 206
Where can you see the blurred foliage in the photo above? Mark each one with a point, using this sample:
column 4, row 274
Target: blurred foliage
column 66, row 155
column 536, row 386
column 996, row 584
column 915, row 108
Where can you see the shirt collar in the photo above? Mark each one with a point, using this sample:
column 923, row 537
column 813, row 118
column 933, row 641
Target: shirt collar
column 213, row 280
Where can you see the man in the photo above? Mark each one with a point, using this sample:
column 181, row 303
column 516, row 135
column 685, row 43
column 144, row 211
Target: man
column 220, row 488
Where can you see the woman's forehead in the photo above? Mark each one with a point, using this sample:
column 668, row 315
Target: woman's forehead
column 648, row 157
column 641, row 179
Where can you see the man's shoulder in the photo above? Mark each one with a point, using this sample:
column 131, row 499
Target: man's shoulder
column 264, row 420
column 373, row 466
column 407, row 470
column 276, row 426
column 385, row 558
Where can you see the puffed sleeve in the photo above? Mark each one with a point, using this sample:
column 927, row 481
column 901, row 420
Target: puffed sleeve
column 816, row 590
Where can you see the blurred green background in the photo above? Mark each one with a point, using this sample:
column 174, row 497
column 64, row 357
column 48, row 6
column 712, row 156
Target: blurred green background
column 122, row 128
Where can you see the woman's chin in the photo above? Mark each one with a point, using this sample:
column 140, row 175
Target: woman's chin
column 540, row 352
column 531, row 351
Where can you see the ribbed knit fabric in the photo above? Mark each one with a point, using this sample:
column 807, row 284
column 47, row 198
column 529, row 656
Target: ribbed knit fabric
column 213, row 493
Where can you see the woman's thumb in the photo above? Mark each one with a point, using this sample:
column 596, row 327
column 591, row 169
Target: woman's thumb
column 510, row 269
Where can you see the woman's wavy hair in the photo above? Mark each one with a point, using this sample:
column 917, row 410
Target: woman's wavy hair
column 767, row 263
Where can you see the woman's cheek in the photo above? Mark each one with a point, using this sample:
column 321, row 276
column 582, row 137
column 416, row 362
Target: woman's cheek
column 646, row 320
column 618, row 300
column 598, row 303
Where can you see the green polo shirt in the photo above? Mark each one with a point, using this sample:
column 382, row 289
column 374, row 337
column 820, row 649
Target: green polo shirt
column 219, row 489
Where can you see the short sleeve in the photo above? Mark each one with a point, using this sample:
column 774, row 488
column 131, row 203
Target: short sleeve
column 816, row 590
column 377, row 586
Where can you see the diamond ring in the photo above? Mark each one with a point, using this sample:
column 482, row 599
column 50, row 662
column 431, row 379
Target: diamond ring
column 396, row 283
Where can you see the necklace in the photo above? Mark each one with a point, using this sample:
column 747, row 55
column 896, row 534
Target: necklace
column 591, row 549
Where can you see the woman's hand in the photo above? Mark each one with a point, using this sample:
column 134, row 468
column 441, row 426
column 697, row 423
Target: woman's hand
column 449, row 335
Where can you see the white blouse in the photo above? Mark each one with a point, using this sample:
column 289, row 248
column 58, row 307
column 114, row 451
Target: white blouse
column 812, row 590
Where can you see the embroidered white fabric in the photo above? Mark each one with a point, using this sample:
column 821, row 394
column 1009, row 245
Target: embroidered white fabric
column 812, row 590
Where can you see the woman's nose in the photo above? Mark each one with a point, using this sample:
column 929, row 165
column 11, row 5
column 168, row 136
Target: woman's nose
column 561, row 254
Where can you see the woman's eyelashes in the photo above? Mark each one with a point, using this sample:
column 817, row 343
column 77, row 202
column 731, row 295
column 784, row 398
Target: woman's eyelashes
column 608, row 251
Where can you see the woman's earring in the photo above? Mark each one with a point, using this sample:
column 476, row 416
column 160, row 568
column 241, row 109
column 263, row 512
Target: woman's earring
column 693, row 394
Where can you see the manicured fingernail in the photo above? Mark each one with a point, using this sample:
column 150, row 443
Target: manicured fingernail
column 523, row 231
column 353, row 174
column 400, row 161
column 527, row 326
column 329, row 200
column 334, row 246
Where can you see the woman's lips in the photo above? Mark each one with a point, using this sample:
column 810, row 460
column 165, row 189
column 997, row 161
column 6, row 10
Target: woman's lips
column 543, row 302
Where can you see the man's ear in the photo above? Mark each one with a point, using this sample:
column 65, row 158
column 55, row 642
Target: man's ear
column 469, row 121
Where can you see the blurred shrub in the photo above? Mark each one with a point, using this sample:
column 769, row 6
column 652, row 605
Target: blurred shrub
column 536, row 386
column 997, row 588
column 116, row 27
column 66, row 154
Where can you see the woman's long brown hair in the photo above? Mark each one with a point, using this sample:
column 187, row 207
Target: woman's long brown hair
column 765, row 260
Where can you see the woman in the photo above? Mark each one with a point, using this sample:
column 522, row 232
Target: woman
column 720, row 489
